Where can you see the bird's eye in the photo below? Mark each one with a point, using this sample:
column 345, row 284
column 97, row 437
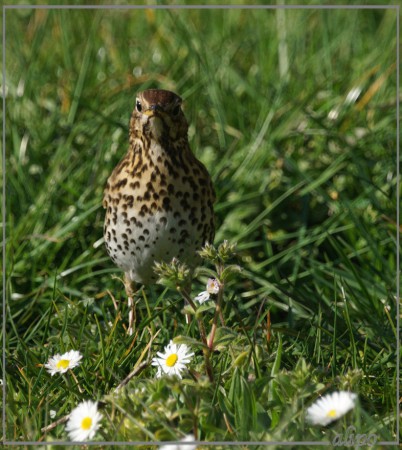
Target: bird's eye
column 176, row 110
column 138, row 106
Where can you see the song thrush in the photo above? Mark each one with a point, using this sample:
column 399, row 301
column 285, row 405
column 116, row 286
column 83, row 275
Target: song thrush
column 159, row 198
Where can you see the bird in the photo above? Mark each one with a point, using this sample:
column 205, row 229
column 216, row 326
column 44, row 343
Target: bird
column 159, row 198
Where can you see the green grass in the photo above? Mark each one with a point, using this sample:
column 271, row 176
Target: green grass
column 305, row 175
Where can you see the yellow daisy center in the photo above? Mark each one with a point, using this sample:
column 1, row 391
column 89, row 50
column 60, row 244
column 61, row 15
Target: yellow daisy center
column 86, row 423
column 63, row 364
column 171, row 360
column 331, row 413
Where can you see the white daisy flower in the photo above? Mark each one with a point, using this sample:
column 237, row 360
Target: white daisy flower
column 188, row 438
column 173, row 361
column 212, row 288
column 331, row 407
column 83, row 421
column 52, row 413
column 62, row 363
column 202, row 297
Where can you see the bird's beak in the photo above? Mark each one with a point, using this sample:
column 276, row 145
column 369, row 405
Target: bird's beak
column 152, row 109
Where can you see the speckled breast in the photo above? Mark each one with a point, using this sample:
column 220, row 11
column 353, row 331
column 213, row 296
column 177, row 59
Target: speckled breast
column 157, row 208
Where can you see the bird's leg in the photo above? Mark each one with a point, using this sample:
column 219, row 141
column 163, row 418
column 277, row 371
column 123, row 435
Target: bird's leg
column 128, row 284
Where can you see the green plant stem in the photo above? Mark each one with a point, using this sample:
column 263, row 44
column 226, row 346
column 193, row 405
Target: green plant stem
column 203, row 334
column 218, row 313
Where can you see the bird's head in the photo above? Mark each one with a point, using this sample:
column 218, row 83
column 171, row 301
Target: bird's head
column 158, row 115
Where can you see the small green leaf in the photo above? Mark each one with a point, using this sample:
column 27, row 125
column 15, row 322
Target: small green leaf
column 223, row 337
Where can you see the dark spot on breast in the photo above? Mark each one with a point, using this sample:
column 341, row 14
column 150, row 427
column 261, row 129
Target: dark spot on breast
column 135, row 185
column 121, row 183
column 130, row 200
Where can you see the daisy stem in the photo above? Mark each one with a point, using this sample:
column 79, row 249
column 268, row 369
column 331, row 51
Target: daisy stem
column 219, row 270
column 187, row 297
column 203, row 335
column 208, row 365
column 76, row 381
column 218, row 312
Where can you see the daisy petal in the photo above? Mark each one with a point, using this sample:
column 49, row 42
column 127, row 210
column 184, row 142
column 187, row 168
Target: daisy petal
column 63, row 363
column 188, row 438
column 202, row 297
column 173, row 361
column 83, row 421
column 213, row 286
column 331, row 407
